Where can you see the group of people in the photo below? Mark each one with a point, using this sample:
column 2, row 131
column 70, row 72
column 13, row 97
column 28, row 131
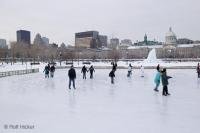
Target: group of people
column 161, row 75
column 130, row 67
column 49, row 70
column 84, row 70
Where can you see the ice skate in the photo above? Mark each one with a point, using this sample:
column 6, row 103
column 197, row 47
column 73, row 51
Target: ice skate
column 156, row 90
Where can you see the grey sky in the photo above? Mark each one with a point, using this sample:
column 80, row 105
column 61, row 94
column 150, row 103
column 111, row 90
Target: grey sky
column 60, row 19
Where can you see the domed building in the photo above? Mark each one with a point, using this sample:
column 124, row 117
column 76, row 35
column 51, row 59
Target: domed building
column 170, row 37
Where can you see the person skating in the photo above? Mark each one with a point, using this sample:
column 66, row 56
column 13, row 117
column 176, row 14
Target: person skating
column 48, row 66
column 46, row 71
column 91, row 69
column 142, row 70
column 52, row 70
column 114, row 68
column 198, row 70
column 157, row 78
column 84, row 70
column 72, row 76
column 158, row 67
column 165, row 82
column 112, row 75
column 129, row 70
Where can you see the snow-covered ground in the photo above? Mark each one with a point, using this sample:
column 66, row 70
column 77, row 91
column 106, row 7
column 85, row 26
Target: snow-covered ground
column 19, row 66
column 130, row 105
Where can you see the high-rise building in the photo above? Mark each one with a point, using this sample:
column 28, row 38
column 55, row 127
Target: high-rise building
column 45, row 40
column 88, row 39
column 3, row 43
column 38, row 40
column 114, row 42
column 24, row 36
column 103, row 40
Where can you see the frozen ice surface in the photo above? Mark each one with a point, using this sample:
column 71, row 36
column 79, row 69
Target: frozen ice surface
column 130, row 105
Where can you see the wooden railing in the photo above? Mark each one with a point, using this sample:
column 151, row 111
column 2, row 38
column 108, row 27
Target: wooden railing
column 18, row 72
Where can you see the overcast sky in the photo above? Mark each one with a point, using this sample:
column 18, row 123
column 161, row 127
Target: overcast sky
column 60, row 19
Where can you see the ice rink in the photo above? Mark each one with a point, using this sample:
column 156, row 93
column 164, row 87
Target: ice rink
column 97, row 106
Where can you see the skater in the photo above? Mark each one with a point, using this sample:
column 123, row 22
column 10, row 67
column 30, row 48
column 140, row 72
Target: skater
column 129, row 70
column 84, row 70
column 112, row 75
column 157, row 78
column 114, row 67
column 46, row 71
column 198, row 70
column 52, row 70
column 91, row 69
column 142, row 71
column 158, row 67
column 165, row 82
column 48, row 66
column 72, row 76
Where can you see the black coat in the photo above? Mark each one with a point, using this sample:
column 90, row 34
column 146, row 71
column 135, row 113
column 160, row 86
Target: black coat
column 114, row 67
column 91, row 69
column 52, row 69
column 84, row 69
column 72, row 73
column 165, row 78
column 46, row 70
column 112, row 74
column 198, row 69
column 158, row 67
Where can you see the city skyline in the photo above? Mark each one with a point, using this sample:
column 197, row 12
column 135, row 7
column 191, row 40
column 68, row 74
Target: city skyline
column 126, row 19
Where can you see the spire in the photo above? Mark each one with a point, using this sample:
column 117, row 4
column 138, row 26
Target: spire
column 145, row 38
column 170, row 29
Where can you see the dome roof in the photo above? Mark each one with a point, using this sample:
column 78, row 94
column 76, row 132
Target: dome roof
column 170, row 33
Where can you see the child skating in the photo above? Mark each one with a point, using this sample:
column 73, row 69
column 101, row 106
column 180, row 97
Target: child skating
column 165, row 82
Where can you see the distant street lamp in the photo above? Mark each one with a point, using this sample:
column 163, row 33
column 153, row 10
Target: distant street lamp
column 26, row 65
column 60, row 55
column 78, row 57
column 127, row 57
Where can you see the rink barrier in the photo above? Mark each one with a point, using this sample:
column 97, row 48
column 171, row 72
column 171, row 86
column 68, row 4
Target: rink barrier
column 18, row 72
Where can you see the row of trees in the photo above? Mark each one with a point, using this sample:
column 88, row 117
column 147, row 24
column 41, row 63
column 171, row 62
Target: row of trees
column 42, row 52
column 51, row 53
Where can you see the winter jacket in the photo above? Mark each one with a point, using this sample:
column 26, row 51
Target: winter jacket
column 72, row 73
column 198, row 69
column 52, row 69
column 84, row 70
column 158, row 68
column 112, row 74
column 91, row 69
column 157, row 78
column 165, row 78
column 130, row 68
column 46, row 70
column 114, row 67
